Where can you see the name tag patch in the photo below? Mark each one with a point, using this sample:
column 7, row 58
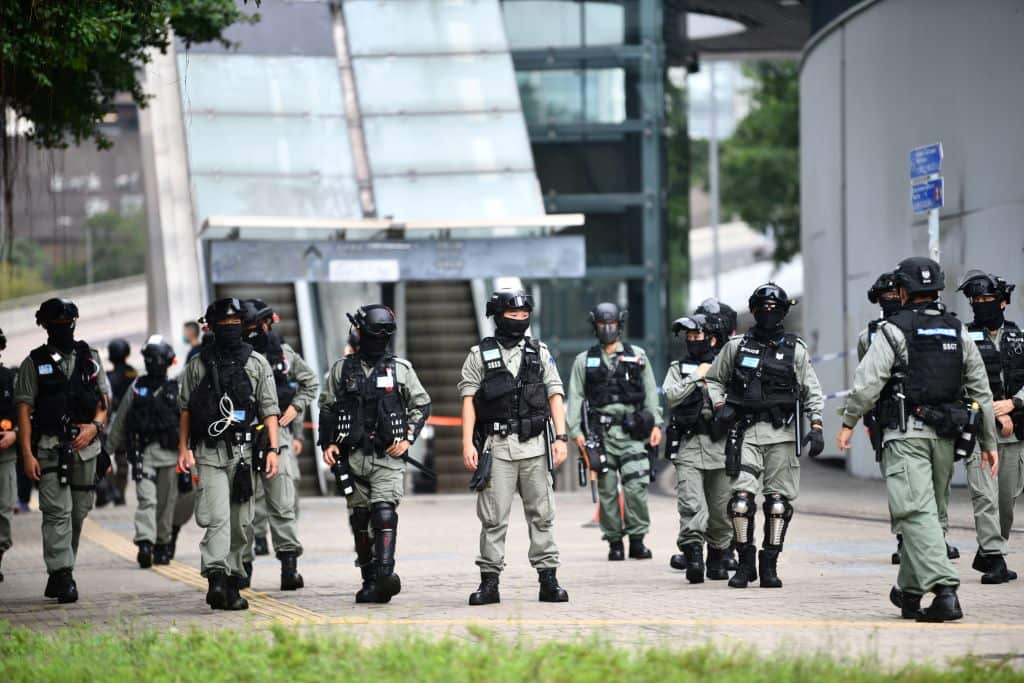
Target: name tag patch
column 386, row 382
column 46, row 369
column 936, row 332
column 978, row 336
column 492, row 354
column 689, row 368
column 593, row 362
column 750, row 362
column 238, row 415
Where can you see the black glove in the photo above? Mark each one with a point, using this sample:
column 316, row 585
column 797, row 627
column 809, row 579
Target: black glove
column 817, row 441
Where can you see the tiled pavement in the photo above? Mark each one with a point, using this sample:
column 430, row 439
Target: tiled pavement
column 835, row 567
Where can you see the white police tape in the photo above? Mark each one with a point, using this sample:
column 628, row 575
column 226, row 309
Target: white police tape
column 826, row 357
column 838, row 394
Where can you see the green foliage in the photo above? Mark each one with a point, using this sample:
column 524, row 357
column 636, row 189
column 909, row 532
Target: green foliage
column 119, row 250
column 81, row 654
column 760, row 163
column 64, row 62
column 18, row 281
column 680, row 165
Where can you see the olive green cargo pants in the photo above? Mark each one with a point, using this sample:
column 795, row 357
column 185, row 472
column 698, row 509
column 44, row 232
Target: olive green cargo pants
column 702, row 498
column 64, row 508
column 274, row 505
column 227, row 524
column 157, row 494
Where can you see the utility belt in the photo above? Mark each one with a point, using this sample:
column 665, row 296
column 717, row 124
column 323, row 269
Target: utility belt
column 957, row 420
column 677, row 433
column 637, row 425
column 525, row 428
column 240, row 436
column 777, row 416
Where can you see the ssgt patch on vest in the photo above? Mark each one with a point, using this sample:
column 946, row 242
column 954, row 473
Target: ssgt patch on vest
column 936, row 332
column 491, row 354
column 750, row 362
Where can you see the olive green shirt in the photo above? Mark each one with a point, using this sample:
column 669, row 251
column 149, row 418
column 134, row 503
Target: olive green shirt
column 764, row 433
column 257, row 369
column 306, row 388
column 699, row 451
column 617, row 441
column 997, row 339
column 152, row 454
column 414, row 396
column 26, row 388
column 875, row 369
column 510, row 447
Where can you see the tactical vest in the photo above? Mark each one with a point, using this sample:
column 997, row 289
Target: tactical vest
column 512, row 405
column 60, row 397
column 285, row 388
column 224, row 375
column 1004, row 365
column 120, row 377
column 686, row 416
column 764, row 376
column 935, row 357
column 373, row 403
column 154, row 416
column 625, row 384
column 8, row 415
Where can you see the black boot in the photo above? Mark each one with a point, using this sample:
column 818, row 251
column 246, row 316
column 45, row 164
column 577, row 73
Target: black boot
column 51, row 585
column 384, row 520
column 730, row 563
column 996, row 571
column 233, row 601
column 145, row 555
column 162, row 553
column 637, row 549
column 173, row 545
column 217, row 590
column 747, row 569
column 899, row 548
column 1, row 562
column 909, row 603
column 550, row 591
column 616, row 552
column 64, row 587
column 291, row 579
column 694, row 554
column 487, row 593
column 769, row 561
column 368, row 591
column 260, row 547
column 716, row 563
column 945, row 606
column 952, row 552
column 245, row 581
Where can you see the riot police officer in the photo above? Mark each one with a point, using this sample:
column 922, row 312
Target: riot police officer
column 61, row 398
column 276, row 499
column 613, row 381
column 702, row 486
column 8, row 453
column 763, row 385
column 145, row 427
column 934, row 362
column 226, row 392
column 1001, row 344
column 372, row 409
column 111, row 488
column 510, row 389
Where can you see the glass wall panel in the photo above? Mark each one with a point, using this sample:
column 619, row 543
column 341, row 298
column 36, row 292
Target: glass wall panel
column 396, row 27
column 496, row 195
column 573, row 96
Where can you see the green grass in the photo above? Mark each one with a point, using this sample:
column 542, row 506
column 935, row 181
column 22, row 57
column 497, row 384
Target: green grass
column 283, row 654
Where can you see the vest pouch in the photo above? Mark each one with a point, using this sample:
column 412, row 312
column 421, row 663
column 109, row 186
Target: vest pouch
column 530, row 427
column 638, row 425
column 241, row 485
column 947, row 419
column 535, row 395
column 391, row 420
column 349, row 432
column 497, row 386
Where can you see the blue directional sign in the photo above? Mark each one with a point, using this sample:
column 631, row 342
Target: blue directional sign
column 925, row 161
column 926, row 196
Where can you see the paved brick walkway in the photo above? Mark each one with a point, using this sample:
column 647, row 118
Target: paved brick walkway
column 836, row 570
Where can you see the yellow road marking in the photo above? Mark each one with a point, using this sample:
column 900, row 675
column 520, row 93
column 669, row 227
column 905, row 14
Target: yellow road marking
column 259, row 603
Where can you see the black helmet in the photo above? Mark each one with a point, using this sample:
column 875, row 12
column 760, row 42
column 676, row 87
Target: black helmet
column 721, row 318
column 157, row 351
column 918, row 274
column 770, row 293
column 508, row 300
column 222, row 309
column 977, row 283
column 118, row 350
column 56, row 310
column 257, row 311
column 374, row 319
column 606, row 312
column 698, row 322
column 886, row 282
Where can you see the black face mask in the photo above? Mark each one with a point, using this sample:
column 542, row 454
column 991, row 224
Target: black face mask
column 700, row 350
column 890, row 307
column 989, row 314
column 259, row 339
column 510, row 331
column 154, row 369
column 769, row 320
column 61, row 337
column 372, row 347
column 607, row 333
column 227, row 336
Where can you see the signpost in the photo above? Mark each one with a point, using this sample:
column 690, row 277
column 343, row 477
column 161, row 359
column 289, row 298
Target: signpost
column 926, row 189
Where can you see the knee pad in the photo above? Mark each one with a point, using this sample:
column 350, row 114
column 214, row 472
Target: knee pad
column 778, row 511
column 741, row 513
column 359, row 520
column 384, row 517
